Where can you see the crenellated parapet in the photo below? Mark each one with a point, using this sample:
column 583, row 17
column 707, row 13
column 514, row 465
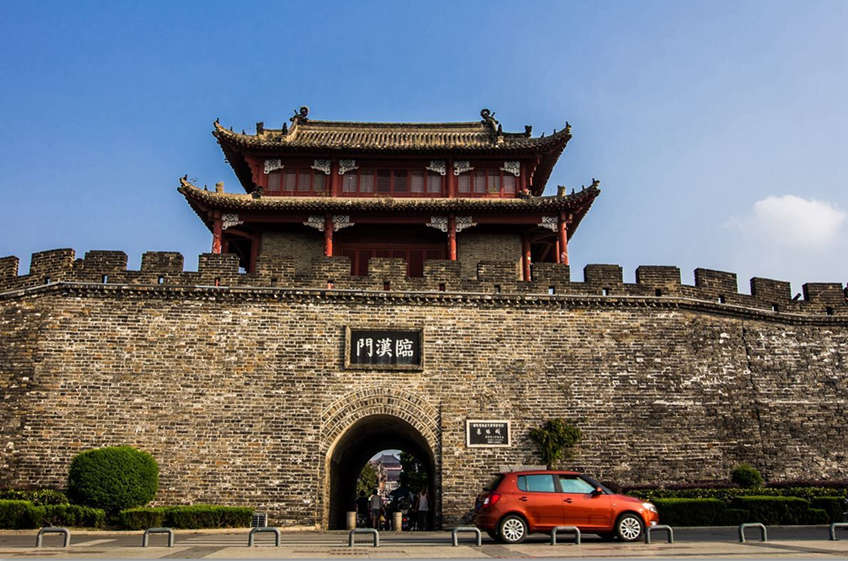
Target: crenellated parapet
column 602, row 282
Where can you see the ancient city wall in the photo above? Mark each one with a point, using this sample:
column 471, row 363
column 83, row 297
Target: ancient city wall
column 239, row 390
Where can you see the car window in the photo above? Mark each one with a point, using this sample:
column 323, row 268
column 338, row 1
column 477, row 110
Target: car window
column 538, row 483
column 570, row 484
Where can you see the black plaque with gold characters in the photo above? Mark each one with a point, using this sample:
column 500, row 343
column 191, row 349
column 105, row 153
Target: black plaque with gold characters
column 392, row 349
column 489, row 433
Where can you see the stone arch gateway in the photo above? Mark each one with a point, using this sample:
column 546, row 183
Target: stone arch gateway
column 361, row 424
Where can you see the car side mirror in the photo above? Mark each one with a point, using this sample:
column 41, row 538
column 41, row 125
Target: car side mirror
column 597, row 491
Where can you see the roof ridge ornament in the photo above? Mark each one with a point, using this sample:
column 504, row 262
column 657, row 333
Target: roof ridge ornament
column 490, row 121
column 300, row 115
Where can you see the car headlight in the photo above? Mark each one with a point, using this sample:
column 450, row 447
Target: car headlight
column 649, row 506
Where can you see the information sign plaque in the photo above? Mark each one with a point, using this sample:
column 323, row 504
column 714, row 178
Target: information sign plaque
column 385, row 349
column 487, row 433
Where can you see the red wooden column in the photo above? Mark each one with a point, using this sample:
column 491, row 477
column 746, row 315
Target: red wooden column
column 335, row 179
column 328, row 235
column 451, row 180
column 452, row 237
column 525, row 257
column 562, row 239
column 217, row 234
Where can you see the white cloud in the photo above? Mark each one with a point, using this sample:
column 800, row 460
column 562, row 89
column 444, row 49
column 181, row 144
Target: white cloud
column 789, row 238
column 793, row 222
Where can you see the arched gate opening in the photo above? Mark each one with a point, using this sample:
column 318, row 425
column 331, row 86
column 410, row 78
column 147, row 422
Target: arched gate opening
column 357, row 445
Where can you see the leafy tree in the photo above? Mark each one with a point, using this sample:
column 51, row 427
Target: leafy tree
column 414, row 474
column 367, row 480
column 554, row 440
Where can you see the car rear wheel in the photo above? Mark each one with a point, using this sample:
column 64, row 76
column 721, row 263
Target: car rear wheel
column 629, row 527
column 512, row 529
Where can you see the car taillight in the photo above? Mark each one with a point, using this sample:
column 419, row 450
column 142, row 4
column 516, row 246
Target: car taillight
column 492, row 499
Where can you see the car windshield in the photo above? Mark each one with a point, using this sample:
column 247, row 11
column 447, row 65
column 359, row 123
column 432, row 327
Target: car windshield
column 493, row 483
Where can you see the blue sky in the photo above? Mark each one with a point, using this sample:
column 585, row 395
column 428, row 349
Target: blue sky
column 718, row 129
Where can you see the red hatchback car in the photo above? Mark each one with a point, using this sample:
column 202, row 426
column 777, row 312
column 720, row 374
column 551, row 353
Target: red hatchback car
column 519, row 503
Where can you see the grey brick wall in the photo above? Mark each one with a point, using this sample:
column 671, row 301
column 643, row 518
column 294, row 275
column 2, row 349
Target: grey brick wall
column 241, row 395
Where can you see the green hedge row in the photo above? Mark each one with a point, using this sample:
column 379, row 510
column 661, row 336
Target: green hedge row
column 728, row 494
column 764, row 509
column 38, row 497
column 19, row 515
column 194, row 516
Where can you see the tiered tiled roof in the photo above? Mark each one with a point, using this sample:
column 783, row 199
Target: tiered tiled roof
column 203, row 201
column 463, row 139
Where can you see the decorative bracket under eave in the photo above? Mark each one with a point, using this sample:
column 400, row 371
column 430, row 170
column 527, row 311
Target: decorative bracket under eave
column 322, row 165
column 437, row 166
column 513, row 167
column 439, row 223
column 461, row 166
column 549, row 222
column 273, row 165
column 230, row 220
column 463, row 222
column 339, row 221
column 346, row 166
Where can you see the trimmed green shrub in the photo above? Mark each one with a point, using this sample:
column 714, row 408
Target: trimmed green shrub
column 833, row 506
column 208, row 516
column 18, row 515
column 113, row 478
column 72, row 515
column 38, row 497
column 186, row 517
column 746, row 475
column 774, row 510
column 817, row 516
column 141, row 518
column 690, row 512
column 734, row 517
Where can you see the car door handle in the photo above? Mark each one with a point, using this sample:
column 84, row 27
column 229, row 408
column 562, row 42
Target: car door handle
column 567, row 500
column 523, row 499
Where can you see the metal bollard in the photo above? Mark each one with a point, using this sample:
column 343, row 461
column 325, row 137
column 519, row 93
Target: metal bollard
column 662, row 528
column 66, row 539
column 372, row 531
column 455, row 534
column 573, row 529
column 833, row 528
column 145, row 539
column 264, row 530
column 762, row 528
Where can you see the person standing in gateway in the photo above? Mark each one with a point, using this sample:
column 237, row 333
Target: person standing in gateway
column 423, row 509
column 375, row 504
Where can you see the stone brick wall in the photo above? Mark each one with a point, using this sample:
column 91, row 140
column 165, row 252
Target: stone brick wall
column 475, row 246
column 239, row 389
column 302, row 247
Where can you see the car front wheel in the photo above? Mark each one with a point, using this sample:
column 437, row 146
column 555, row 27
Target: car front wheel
column 629, row 527
column 512, row 529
